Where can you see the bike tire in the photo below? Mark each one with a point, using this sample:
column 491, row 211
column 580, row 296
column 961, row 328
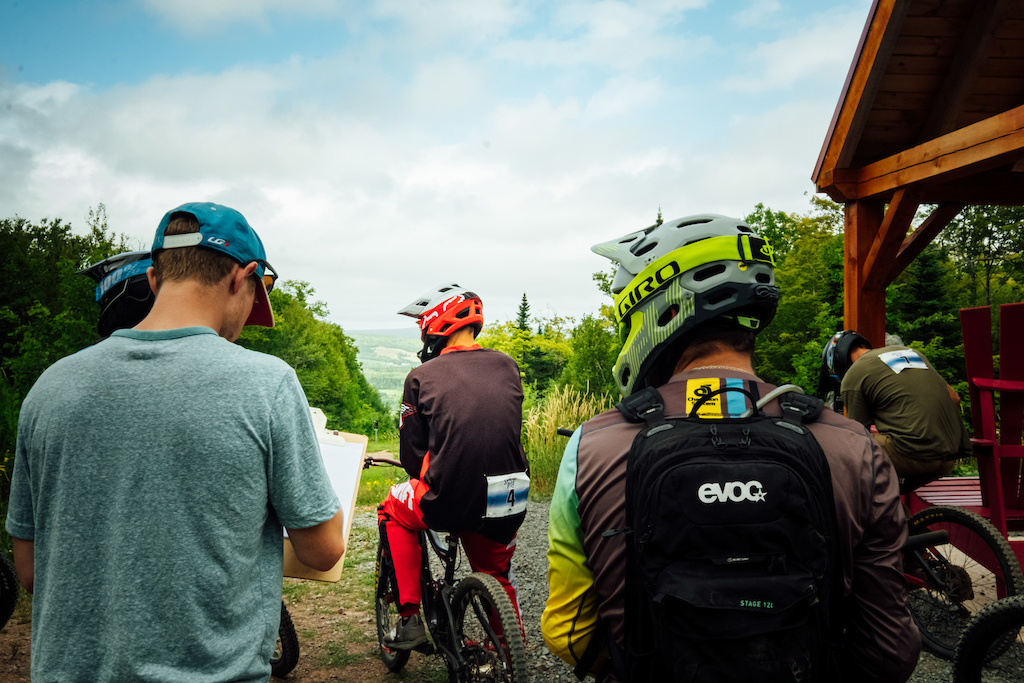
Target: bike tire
column 992, row 647
column 9, row 589
column 286, row 651
column 386, row 607
column 977, row 568
column 484, row 615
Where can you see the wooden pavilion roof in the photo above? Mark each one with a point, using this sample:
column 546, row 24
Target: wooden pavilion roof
column 932, row 112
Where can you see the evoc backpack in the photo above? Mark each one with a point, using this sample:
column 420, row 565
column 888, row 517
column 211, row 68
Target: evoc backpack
column 731, row 561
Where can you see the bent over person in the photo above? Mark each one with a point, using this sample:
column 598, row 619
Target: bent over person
column 915, row 412
column 691, row 295
column 155, row 471
column 459, row 432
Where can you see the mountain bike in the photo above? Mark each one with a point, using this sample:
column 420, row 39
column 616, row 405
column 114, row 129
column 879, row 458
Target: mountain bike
column 952, row 581
column 471, row 620
column 992, row 647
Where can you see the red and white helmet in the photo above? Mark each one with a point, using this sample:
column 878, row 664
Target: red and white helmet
column 440, row 312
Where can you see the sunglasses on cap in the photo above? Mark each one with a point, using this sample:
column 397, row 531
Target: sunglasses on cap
column 269, row 275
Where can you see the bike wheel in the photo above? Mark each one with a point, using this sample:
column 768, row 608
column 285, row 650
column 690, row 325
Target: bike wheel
column 992, row 647
column 386, row 602
column 286, row 651
column 488, row 632
column 9, row 589
column 961, row 578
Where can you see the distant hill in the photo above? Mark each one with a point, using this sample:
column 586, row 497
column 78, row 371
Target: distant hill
column 410, row 331
column 386, row 359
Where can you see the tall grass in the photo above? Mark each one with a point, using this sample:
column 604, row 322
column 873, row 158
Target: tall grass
column 566, row 407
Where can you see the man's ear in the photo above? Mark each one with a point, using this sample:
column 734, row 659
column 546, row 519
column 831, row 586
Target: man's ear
column 240, row 274
column 151, row 277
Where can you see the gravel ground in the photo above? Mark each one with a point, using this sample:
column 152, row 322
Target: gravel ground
column 530, row 566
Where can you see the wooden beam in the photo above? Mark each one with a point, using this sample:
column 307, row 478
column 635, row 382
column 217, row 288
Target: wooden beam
column 863, row 309
column 876, row 44
column 974, row 47
column 922, row 237
column 984, row 145
column 894, row 227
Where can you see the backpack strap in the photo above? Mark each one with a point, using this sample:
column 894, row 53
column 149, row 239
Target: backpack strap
column 645, row 406
column 594, row 647
column 616, row 663
column 800, row 409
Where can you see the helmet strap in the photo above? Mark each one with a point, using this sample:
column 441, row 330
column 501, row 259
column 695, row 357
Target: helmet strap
column 432, row 346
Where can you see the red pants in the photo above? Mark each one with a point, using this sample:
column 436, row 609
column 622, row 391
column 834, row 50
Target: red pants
column 401, row 510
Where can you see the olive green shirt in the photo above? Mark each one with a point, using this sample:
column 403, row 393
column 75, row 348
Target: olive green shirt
column 896, row 389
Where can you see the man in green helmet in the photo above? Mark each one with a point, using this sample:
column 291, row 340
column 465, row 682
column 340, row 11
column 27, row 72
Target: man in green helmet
column 691, row 296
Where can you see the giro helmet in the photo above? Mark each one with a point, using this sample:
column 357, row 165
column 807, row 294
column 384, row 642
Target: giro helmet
column 678, row 275
column 122, row 290
column 440, row 312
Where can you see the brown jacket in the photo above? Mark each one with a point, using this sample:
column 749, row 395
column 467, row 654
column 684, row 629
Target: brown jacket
column 882, row 642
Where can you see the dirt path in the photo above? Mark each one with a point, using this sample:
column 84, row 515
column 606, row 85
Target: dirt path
column 337, row 631
column 334, row 622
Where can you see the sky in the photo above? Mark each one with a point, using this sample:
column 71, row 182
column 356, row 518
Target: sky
column 382, row 148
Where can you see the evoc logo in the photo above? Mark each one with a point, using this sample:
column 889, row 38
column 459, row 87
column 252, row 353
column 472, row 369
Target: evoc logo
column 735, row 491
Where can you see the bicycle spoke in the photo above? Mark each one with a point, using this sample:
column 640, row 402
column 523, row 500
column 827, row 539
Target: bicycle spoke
column 488, row 630
column 952, row 582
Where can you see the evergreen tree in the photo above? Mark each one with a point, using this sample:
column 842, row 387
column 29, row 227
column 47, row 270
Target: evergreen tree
column 523, row 316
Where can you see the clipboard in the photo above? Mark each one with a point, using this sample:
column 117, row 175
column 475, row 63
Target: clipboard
column 343, row 455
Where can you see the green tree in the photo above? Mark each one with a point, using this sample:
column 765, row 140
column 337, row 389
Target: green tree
column 523, row 316
column 808, row 273
column 47, row 311
column 323, row 357
column 986, row 243
column 594, row 347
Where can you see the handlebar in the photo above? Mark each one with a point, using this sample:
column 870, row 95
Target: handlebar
column 926, row 540
column 562, row 431
column 370, row 460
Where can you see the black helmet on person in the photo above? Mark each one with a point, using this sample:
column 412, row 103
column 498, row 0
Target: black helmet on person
column 675, row 276
column 122, row 290
column 835, row 357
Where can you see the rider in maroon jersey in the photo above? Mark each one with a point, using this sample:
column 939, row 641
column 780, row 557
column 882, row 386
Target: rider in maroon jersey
column 459, row 429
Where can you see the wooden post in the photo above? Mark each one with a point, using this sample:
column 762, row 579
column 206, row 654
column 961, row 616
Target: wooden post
column 863, row 309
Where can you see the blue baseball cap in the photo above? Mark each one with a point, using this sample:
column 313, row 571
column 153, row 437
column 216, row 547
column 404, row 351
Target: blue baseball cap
column 225, row 230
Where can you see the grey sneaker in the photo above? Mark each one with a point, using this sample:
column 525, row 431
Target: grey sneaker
column 409, row 634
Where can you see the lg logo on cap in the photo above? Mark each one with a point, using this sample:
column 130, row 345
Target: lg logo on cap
column 218, row 241
column 735, row 491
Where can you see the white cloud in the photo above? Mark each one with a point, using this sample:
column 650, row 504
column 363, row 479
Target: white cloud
column 374, row 175
column 816, row 51
column 757, row 12
column 610, row 34
column 203, row 16
column 624, row 95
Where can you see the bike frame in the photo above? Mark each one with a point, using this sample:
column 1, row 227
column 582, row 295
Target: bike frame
column 437, row 598
column 918, row 544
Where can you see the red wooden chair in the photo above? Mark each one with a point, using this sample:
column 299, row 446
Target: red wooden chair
column 998, row 422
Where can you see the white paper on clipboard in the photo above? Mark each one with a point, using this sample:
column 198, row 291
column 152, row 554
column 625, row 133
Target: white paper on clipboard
column 343, row 455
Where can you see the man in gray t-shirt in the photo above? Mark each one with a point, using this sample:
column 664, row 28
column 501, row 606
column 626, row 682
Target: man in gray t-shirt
column 155, row 470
